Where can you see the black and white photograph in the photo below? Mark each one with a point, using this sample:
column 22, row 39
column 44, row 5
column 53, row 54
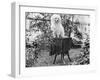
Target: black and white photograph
column 52, row 40
column 56, row 39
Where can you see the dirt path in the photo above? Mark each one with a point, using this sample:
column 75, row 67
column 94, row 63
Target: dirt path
column 46, row 60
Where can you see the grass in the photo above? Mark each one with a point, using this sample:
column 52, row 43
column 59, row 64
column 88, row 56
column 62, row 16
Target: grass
column 45, row 60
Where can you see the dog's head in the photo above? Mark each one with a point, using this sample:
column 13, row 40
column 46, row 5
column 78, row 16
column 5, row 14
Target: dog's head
column 55, row 19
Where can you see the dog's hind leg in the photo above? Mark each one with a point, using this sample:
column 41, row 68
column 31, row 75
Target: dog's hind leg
column 62, row 58
column 68, row 56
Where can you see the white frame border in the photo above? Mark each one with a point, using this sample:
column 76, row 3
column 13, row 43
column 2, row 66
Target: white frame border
column 16, row 34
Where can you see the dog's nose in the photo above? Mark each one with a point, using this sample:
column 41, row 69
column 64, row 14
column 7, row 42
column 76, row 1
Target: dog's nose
column 56, row 20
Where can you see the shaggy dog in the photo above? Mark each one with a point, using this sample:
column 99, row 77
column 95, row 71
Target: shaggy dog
column 56, row 26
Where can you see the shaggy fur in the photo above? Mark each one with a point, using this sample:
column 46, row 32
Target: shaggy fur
column 56, row 26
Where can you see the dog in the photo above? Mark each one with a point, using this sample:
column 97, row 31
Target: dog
column 56, row 26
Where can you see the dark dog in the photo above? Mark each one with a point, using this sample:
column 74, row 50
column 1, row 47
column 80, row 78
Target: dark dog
column 60, row 46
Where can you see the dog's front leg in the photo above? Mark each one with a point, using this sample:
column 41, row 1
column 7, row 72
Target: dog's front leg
column 55, row 58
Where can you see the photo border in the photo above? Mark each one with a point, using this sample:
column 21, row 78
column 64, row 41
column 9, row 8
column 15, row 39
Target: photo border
column 17, row 56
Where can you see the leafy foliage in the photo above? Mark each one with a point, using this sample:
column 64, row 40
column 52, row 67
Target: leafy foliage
column 38, row 37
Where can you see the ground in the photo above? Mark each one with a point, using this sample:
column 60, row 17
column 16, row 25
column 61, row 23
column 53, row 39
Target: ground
column 45, row 60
